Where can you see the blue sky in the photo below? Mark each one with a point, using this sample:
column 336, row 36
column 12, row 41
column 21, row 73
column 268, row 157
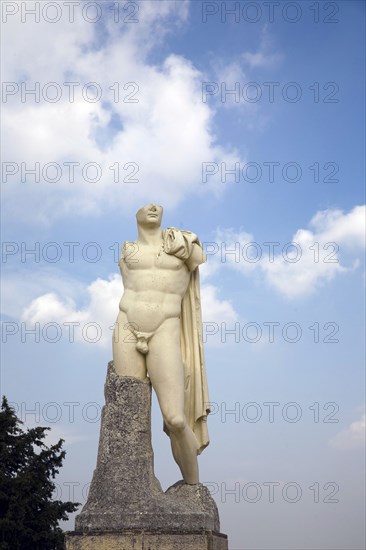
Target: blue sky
column 170, row 133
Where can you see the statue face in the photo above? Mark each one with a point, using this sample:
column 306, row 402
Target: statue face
column 150, row 215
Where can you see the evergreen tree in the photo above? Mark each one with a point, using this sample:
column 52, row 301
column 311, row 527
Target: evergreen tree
column 28, row 515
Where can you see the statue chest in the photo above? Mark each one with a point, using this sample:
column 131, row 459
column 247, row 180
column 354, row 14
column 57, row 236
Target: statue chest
column 137, row 259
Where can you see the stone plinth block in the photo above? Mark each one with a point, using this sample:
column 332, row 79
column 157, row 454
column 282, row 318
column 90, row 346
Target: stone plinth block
column 128, row 540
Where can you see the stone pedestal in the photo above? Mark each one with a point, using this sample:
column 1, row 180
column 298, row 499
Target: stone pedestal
column 126, row 507
column 126, row 540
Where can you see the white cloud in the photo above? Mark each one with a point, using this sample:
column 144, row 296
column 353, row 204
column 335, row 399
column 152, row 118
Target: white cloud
column 352, row 437
column 229, row 73
column 20, row 287
column 261, row 59
column 215, row 310
column 217, row 315
column 167, row 133
column 265, row 55
column 237, row 69
column 234, row 84
column 101, row 309
column 346, row 229
column 318, row 252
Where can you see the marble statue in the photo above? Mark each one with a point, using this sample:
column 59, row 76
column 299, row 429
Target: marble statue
column 158, row 332
column 157, row 343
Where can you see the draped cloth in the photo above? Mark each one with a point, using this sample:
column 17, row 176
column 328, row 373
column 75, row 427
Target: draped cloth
column 196, row 401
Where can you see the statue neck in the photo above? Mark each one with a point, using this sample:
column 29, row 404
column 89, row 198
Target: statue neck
column 151, row 236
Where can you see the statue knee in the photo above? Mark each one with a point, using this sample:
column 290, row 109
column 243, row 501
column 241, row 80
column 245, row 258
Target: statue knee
column 176, row 423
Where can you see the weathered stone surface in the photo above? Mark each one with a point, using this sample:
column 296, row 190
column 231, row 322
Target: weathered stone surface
column 124, row 492
column 124, row 476
column 147, row 541
column 197, row 501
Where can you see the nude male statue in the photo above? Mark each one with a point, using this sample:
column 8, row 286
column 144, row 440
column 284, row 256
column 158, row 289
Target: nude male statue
column 158, row 331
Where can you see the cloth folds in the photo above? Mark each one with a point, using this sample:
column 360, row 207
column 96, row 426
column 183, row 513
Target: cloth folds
column 181, row 244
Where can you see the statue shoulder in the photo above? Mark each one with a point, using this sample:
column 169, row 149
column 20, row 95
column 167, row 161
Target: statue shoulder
column 185, row 245
column 184, row 232
column 129, row 248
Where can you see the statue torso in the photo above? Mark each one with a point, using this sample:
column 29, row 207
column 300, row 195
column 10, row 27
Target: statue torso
column 154, row 285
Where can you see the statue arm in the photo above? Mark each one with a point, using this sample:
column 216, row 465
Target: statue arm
column 185, row 245
column 196, row 258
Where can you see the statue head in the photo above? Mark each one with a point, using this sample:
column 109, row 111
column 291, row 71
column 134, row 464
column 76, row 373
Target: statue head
column 150, row 216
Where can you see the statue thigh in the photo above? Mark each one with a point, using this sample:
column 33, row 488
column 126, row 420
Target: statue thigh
column 127, row 360
column 165, row 369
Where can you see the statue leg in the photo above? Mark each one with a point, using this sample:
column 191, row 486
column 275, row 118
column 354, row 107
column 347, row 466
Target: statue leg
column 165, row 368
column 127, row 360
